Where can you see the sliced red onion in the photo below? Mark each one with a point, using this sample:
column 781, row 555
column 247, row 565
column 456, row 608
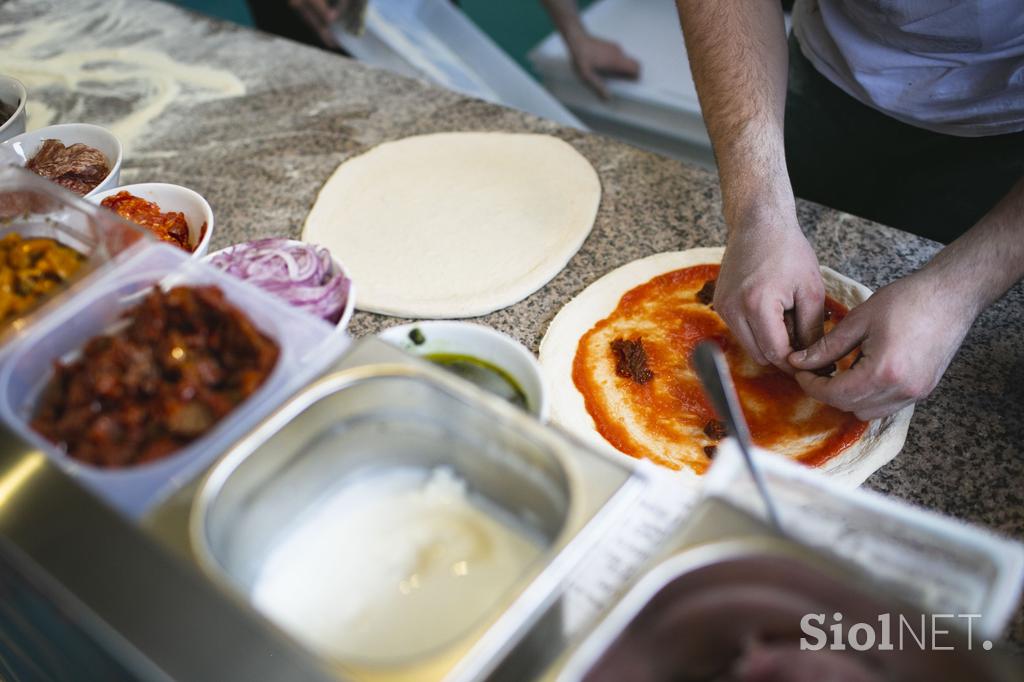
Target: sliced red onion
column 302, row 274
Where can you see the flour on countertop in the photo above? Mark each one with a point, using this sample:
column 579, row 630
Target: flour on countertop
column 137, row 84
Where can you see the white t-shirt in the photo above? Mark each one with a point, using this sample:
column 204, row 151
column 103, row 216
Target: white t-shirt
column 955, row 67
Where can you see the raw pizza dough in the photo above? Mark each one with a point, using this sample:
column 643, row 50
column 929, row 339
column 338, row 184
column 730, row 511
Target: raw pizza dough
column 881, row 442
column 455, row 224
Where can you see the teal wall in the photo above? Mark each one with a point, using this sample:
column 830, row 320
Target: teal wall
column 516, row 25
column 232, row 10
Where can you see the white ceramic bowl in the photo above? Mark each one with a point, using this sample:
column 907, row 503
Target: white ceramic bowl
column 478, row 341
column 350, row 303
column 13, row 92
column 27, row 144
column 173, row 198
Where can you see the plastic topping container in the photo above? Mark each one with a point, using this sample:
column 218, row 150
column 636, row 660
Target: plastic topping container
column 306, row 347
column 31, row 206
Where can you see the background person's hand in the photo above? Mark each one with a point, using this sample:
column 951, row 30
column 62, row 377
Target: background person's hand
column 907, row 332
column 319, row 15
column 767, row 271
column 594, row 57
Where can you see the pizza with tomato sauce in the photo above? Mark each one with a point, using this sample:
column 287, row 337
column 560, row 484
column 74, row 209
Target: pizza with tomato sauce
column 618, row 361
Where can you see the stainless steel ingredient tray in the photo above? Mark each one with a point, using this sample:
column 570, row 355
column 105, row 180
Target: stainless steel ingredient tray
column 401, row 414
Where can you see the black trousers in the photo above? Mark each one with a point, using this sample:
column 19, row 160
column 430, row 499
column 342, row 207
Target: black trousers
column 276, row 16
column 846, row 155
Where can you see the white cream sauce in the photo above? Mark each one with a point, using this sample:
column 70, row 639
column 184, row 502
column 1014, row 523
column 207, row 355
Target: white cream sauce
column 390, row 568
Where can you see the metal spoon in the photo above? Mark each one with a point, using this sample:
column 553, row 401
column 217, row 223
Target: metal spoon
column 713, row 372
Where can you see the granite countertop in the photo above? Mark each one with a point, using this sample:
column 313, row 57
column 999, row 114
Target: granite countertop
column 260, row 157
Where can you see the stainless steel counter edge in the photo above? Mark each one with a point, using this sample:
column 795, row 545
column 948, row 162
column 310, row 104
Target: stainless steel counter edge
column 159, row 616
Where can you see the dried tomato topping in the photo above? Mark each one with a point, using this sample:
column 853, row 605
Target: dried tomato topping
column 707, row 292
column 631, row 360
column 714, row 429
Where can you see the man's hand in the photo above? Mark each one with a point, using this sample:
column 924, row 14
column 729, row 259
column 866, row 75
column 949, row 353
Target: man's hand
column 768, row 269
column 739, row 61
column 593, row 57
column 319, row 15
column 910, row 330
column 908, row 333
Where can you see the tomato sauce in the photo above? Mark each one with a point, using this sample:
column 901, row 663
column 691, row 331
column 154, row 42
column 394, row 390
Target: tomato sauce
column 673, row 403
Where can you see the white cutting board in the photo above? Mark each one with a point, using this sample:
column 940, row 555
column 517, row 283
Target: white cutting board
column 646, row 29
column 657, row 110
column 432, row 39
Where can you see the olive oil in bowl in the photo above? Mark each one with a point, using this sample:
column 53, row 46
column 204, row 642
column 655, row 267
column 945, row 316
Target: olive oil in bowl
column 483, row 374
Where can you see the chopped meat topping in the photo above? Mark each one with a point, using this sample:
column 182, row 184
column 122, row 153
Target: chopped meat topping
column 79, row 168
column 710, row 451
column 631, row 360
column 183, row 361
column 714, row 429
column 707, row 292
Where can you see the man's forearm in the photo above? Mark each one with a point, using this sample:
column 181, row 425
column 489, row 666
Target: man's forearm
column 566, row 16
column 737, row 51
column 988, row 259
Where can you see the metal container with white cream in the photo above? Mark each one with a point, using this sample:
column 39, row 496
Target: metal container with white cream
column 402, row 524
